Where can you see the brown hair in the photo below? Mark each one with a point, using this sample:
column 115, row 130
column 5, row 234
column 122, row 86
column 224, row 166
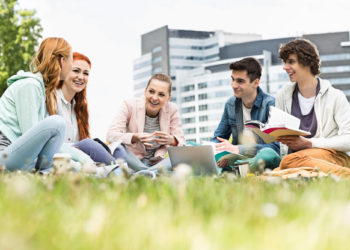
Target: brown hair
column 47, row 62
column 163, row 78
column 249, row 64
column 81, row 105
column 306, row 52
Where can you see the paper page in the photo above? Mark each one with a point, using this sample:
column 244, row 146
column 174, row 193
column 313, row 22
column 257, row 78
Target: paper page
column 279, row 118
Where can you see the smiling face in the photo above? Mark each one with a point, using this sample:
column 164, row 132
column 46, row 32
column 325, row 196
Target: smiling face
column 156, row 95
column 78, row 78
column 242, row 86
column 295, row 70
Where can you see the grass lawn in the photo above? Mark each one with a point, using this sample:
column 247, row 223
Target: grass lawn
column 78, row 212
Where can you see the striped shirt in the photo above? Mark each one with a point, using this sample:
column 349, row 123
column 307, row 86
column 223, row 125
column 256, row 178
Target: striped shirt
column 151, row 125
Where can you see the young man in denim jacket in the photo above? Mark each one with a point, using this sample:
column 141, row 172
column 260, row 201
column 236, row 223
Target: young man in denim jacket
column 248, row 103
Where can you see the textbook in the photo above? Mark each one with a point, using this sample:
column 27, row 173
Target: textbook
column 225, row 155
column 231, row 157
column 279, row 123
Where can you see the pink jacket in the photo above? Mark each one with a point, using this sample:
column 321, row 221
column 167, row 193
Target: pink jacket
column 131, row 119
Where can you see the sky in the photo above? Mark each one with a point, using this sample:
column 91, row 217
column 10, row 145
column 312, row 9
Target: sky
column 109, row 33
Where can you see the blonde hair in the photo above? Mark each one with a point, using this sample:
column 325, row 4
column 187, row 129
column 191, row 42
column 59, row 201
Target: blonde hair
column 47, row 62
column 163, row 78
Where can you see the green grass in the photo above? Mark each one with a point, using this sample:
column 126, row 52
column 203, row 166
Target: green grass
column 78, row 212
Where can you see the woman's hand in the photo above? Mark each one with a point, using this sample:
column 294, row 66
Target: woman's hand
column 144, row 138
column 163, row 138
column 295, row 142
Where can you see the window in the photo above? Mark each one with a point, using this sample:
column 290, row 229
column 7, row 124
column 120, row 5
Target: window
column 202, row 85
column 189, row 120
column 157, row 59
column 147, row 73
column 203, row 107
column 202, row 96
column 203, row 118
column 189, row 131
column 188, row 88
column 335, row 57
column 335, row 69
column 142, row 65
column 188, row 98
column 188, row 110
column 157, row 49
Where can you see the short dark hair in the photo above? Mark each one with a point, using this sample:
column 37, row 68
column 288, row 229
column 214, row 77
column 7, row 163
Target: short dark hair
column 163, row 78
column 249, row 64
column 306, row 52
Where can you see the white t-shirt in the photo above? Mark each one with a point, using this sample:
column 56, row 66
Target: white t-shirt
column 246, row 113
column 66, row 110
column 306, row 104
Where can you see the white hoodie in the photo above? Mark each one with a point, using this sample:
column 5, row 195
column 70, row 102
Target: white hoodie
column 332, row 112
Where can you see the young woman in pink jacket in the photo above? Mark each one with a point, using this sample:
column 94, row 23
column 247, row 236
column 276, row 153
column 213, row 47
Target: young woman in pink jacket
column 147, row 126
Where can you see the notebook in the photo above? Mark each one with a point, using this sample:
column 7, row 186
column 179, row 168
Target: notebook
column 200, row 158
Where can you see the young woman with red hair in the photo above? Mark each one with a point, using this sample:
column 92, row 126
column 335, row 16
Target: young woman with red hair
column 73, row 107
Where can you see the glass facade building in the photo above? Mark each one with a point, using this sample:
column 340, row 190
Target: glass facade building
column 198, row 63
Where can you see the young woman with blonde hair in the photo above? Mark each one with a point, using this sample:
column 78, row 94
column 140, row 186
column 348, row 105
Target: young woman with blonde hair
column 148, row 125
column 27, row 138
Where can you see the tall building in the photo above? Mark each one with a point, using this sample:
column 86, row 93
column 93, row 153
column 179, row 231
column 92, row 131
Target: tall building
column 198, row 63
column 168, row 50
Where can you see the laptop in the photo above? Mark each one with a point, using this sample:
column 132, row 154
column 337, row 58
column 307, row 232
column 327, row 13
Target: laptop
column 200, row 158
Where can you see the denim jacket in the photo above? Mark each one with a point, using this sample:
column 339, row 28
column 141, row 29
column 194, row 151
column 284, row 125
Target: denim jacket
column 232, row 120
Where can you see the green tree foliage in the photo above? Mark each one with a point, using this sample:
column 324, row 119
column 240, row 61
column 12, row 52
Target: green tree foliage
column 19, row 34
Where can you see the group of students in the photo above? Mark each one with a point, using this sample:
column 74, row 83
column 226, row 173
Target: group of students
column 45, row 111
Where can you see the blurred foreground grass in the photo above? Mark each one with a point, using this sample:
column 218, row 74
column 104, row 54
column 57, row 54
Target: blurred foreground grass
column 77, row 212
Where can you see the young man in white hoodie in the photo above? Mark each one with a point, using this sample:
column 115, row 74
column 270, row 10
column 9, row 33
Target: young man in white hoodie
column 323, row 110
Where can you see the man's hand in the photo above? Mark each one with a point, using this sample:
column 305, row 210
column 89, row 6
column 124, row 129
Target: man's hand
column 225, row 145
column 295, row 143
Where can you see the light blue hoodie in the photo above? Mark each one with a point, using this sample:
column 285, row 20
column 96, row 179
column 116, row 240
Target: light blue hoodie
column 22, row 105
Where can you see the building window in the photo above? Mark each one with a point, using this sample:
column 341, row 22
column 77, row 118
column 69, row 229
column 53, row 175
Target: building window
column 335, row 57
column 188, row 88
column 188, row 110
column 189, row 120
column 142, row 65
column 203, row 118
column 335, row 69
column 147, row 73
column 202, row 85
column 156, row 70
column 205, row 139
column 191, row 140
column 340, row 80
column 157, row 49
column 188, row 98
column 202, row 96
column 203, row 129
column 203, row 107
column 189, row 131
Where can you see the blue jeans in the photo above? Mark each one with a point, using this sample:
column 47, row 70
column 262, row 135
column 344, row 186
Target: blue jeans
column 98, row 153
column 36, row 147
column 136, row 164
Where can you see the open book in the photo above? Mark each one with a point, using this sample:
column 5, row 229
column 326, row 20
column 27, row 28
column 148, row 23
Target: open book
column 279, row 123
column 225, row 155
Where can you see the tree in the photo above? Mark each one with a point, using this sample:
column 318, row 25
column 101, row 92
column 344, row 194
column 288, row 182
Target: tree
column 19, row 34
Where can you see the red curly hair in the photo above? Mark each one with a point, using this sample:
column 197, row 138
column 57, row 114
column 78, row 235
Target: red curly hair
column 81, row 105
